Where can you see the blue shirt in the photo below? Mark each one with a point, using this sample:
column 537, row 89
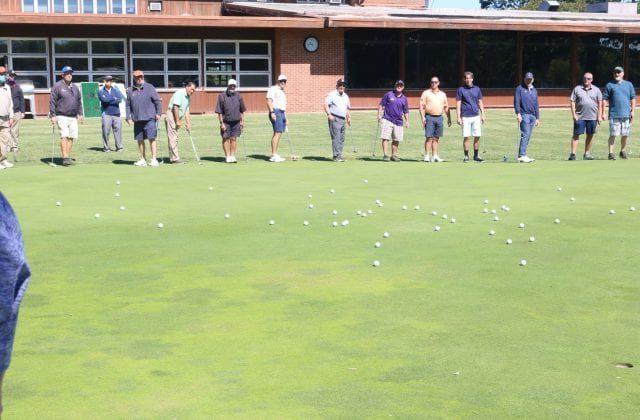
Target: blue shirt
column 394, row 107
column 469, row 98
column 525, row 101
column 619, row 96
column 110, row 101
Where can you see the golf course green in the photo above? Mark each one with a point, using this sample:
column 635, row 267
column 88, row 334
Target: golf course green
column 234, row 317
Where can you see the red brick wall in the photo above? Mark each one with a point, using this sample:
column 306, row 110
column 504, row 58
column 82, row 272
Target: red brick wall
column 310, row 75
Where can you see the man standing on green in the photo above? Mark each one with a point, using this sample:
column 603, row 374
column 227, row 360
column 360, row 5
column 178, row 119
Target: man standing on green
column 586, row 107
column 620, row 96
column 178, row 109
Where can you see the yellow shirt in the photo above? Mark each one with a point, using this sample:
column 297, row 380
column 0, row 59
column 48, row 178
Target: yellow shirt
column 433, row 103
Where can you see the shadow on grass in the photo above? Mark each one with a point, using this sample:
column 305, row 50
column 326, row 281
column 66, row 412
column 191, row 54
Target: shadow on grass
column 47, row 160
column 96, row 149
column 260, row 157
column 379, row 159
column 318, row 158
column 218, row 159
column 123, row 162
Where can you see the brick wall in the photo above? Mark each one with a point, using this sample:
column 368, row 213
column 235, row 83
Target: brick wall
column 310, row 75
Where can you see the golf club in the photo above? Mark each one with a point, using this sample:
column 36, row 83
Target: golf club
column 195, row 151
column 518, row 142
column 244, row 145
column 291, row 149
column 53, row 141
column 353, row 140
column 375, row 139
column 160, row 158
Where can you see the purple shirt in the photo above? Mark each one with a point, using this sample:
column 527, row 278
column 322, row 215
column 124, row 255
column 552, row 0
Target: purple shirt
column 394, row 107
column 469, row 98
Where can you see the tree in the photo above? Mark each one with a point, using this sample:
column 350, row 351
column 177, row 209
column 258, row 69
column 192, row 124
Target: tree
column 565, row 6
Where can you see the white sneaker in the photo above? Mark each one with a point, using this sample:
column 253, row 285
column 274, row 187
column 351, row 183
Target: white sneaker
column 427, row 158
column 436, row 158
column 154, row 163
column 525, row 159
column 141, row 162
column 276, row 158
column 227, row 159
column 6, row 164
column 233, row 159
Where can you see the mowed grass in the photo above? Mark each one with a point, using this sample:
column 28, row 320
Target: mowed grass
column 234, row 318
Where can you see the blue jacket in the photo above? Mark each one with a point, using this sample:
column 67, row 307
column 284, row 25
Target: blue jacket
column 143, row 103
column 110, row 101
column 526, row 101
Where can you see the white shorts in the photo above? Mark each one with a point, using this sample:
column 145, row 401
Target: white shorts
column 390, row 131
column 471, row 126
column 68, row 127
column 619, row 127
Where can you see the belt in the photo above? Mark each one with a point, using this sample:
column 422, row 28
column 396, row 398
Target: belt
column 338, row 116
column 429, row 115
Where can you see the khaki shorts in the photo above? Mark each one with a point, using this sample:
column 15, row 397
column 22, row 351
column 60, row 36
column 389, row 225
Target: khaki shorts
column 619, row 127
column 68, row 127
column 390, row 131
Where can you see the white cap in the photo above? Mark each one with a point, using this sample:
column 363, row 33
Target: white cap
column 232, row 82
column 282, row 77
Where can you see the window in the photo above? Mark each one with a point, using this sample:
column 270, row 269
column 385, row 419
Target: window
column 95, row 6
column 117, row 7
column 481, row 51
column 432, row 53
column 249, row 62
column 29, row 58
column 66, row 6
column 633, row 62
column 35, row 6
column 167, row 63
column 548, row 56
column 372, row 58
column 599, row 54
column 91, row 59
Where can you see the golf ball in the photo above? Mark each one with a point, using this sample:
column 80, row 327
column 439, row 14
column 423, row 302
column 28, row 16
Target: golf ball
column 378, row 244
column 345, row 223
column 311, row 206
column 507, row 209
column 210, row 188
column 386, row 235
column 376, row 263
column 445, row 217
column 310, row 196
column 334, row 212
column 370, row 211
column 364, row 214
column 272, row 222
column 632, row 208
column 227, row 215
column 332, row 191
column 417, row 207
column 334, row 224
column 434, row 213
column 160, row 225
column 612, row 211
column 381, row 205
column 492, row 232
column 366, row 181
column 493, row 211
column 97, row 215
column 118, row 182
column 572, row 199
column 453, row 220
column 557, row 221
column 305, row 223
column 521, row 225
column 509, row 241
column 523, row 262
column 404, row 207
column 485, row 210
column 436, row 228
column 559, row 188
column 359, row 212
column 532, row 238
column 58, row 204
column 122, row 208
column 116, row 195
column 496, row 219
column 378, row 201
column 486, row 201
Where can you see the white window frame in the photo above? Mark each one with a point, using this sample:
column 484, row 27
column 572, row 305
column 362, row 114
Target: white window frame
column 36, row 8
column 165, row 59
column 89, row 56
column 51, row 7
column 11, row 55
column 66, row 6
column 237, row 56
column 123, row 5
column 95, row 8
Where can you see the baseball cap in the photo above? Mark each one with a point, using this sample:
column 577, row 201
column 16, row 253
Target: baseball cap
column 108, row 78
column 66, row 69
column 137, row 73
column 341, row 82
column 282, row 77
column 618, row 69
column 528, row 75
column 399, row 82
column 232, row 82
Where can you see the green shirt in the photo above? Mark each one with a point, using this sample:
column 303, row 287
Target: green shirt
column 181, row 99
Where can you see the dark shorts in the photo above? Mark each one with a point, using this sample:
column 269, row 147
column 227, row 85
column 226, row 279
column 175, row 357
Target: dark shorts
column 144, row 130
column 434, row 127
column 582, row 126
column 233, row 129
column 280, row 123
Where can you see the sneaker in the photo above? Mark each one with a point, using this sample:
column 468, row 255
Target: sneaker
column 14, row 149
column 338, row 159
column 154, row 163
column 6, row 164
column 179, row 162
column 436, row 158
column 525, row 159
column 427, row 158
column 120, row 150
column 623, row 155
column 227, row 159
column 233, row 159
column 107, row 150
column 395, row 158
column 276, row 158
column 386, row 158
column 465, row 159
column 141, row 162
column 612, row 156
column 478, row 159
column 572, row 156
column 67, row 162
column 587, row 156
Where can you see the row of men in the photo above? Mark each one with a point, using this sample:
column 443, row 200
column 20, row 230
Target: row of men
column 12, row 107
column 143, row 110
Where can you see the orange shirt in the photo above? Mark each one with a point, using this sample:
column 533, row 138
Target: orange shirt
column 433, row 103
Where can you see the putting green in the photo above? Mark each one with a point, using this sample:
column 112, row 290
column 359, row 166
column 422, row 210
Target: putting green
column 237, row 318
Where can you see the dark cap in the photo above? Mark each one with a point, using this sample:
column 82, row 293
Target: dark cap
column 108, row 78
column 66, row 69
column 528, row 75
column 399, row 83
column 341, row 82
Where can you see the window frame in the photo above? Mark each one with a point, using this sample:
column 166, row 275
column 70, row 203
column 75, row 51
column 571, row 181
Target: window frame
column 36, row 4
column 90, row 73
column 165, row 57
column 11, row 55
column 51, row 7
column 237, row 57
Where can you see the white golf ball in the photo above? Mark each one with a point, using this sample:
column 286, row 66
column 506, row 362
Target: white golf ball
column 436, row 228
column 306, row 223
column 493, row 211
column 311, row 206
column 122, row 208
column 332, row 191
column 434, row 213
column 386, row 235
column 363, row 214
column 572, row 199
column 404, row 207
column 97, row 215
column 445, row 217
column 559, row 188
column 366, row 181
column 310, row 196
column 521, row 225
column 116, row 195
column 160, row 225
column 58, row 204
column 334, row 224
column 453, row 220
column 210, row 188
column 345, row 223
column 503, row 207
column 496, row 219
column 370, row 211
column 359, row 212
column 118, row 182
column 632, row 208
column 532, row 238
column 378, row 244
column 612, row 211
column 227, row 215
column 417, row 207
column 557, row 221
column 272, row 222
column 335, row 212
column 485, row 210
column 507, row 209
column 381, row 205
column 378, row 201
column 486, row 201
column 509, row 241
column 376, row 263
column 492, row 232
column 523, row 262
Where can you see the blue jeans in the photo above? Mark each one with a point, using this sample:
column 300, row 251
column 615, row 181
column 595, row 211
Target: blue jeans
column 526, row 127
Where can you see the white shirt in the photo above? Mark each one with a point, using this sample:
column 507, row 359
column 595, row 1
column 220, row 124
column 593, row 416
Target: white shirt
column 338, row 104
column 278, row 97
column 6, row 105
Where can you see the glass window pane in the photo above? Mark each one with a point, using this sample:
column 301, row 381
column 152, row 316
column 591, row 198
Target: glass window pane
column 178, row 80
column 4, row 46
column 254, row 48
column 102, row 6
column 27, row 6
column 43, row 6
column 599, row 54
column 58, row 6
column 182, row 48
column 23, row 46
column 116, row 7
column 107, row 47
column 65, row 46
column 221, row 48
column 39, row 81
column 147, row 47
column 148, row 64
column 482, row 48
column 365, row 50
column 157, row 80
column 131, row 7
column 632, row 72
column 432, row 53
column 180, row 64
column 548, row 56
column 117, row 78
column 108, row 65
column 76, row 63
column 29, row 63
column 254, row 64
column 87, row 6
column 254, row 80
column 221, row 64
column 219, row 80
column 77, row 78
column 72, row 6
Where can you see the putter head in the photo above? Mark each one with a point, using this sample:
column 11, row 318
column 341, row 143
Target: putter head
column 53, row 165
column 295, row 157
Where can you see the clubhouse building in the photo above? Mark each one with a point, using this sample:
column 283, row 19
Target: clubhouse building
column 313, row 42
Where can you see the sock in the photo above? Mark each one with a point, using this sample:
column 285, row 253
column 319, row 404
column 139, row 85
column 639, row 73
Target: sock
column 466, row 153
column 475, row 153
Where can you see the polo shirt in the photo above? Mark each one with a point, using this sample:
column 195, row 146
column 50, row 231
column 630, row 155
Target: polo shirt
column 338, row 104
column 394, row 107
column 619, row 96
column 434, row 103
column 469, row 97
column 586, row 102
column 525, row 101
column 231, row 106
column 278, row 97
column 182, row 100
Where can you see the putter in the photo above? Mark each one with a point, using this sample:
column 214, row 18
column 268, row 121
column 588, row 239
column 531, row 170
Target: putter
column 195, row 151
column 518, row 143
column 53, row 141
column 161, row 159
column 375, row 140
column 244, row 145
column 353, row 140
column 291, row 149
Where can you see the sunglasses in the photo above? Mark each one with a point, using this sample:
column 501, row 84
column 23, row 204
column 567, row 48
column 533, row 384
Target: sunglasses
column 588, row 78
column 434, row 82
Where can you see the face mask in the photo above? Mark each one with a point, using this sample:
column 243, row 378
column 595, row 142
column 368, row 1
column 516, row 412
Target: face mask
column 3, row 79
